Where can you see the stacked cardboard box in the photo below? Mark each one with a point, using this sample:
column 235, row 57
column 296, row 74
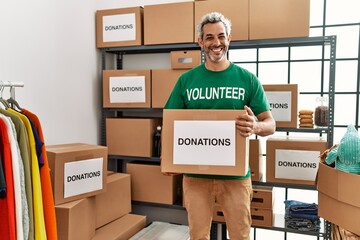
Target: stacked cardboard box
column 154, row 24
column 261, row 208
column 83, row 191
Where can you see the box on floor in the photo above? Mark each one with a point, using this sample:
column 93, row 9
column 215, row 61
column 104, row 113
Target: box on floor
column 78, row 170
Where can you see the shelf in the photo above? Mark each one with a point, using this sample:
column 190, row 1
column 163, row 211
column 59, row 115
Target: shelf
column 279, row 225
column 163, row 48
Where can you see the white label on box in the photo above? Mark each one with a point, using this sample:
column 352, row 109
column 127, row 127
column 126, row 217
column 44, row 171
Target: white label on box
column 83, row 176
column 280, row 104
column 127, row 89
column 296, row 164
column 204, row 142
column 120, row 27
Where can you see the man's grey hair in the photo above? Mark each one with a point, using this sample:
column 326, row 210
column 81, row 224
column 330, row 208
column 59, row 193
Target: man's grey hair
column 213, row 17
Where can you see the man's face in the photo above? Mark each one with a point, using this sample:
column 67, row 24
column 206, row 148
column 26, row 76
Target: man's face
column 215, row 41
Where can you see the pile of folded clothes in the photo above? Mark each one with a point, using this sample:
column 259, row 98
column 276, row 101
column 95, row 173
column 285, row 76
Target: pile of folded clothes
column 301, row 216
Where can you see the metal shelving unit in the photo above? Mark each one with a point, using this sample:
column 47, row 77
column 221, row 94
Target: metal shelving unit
column 119, row 52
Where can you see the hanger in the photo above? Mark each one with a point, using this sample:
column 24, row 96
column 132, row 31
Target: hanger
column 2, row 100
column 12, row 101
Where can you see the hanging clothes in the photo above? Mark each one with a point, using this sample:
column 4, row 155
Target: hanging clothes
column 24, row 147
column 39, row 222
column 7, row 204
column 21, row 209
column 2, row 181
column 47, row 193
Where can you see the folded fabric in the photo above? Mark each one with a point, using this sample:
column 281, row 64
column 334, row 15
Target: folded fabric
column 302, row 224
column 310, row 217
column 293, row 206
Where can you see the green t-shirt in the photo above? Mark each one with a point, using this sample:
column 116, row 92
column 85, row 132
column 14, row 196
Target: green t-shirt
column 232, row 88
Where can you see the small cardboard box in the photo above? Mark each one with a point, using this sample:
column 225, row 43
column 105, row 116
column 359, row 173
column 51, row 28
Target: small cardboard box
column 130, row 136
column 78, row 170
column 279, row 19
column 162, row 84
column 283, row 100
column 161, row 27
column 119, row 27
column 260, row 217
column 148, row 184
column 76, row 220
column 338, row 199
column 193, row 140
column 117, row 195
column 263, row 197
column 185, row 59
column 127, row 88
column 236, row 10
column 122, row 228
column 256, row 162
column 293, row 160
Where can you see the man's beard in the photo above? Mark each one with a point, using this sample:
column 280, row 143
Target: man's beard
column 217, row 59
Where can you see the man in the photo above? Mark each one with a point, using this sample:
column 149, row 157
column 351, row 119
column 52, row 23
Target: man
column 218, row 74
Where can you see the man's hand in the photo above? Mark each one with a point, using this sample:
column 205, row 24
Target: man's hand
column 246, row 123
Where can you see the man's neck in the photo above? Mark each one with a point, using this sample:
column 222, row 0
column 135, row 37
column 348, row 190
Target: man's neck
column 216, row 67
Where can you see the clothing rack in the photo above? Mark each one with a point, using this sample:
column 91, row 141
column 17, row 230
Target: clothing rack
column 12, row 86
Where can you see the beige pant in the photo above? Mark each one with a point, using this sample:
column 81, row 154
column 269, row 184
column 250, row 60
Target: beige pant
column 234, row 197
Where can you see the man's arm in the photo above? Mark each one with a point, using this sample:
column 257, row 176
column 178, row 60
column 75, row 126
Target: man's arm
column 263, row 124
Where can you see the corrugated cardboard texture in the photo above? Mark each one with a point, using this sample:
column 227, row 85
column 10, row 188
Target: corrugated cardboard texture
column 138, row 11
column 307, row 144
column 256, row 162
column 162, row 84
column 118, row 73
column 148, row 184
column 122, row 228
column 163, row 24
column 185, row 59
column 130, row 136
column 279, row 19
column 293, row 88
column 339, row 201
column 236, row 10
column 242, row 144
column 116, row 201
column 76, row 219
column 263, row 197
column 58, row 155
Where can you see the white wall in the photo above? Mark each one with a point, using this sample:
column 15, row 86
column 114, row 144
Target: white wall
column 50, row 47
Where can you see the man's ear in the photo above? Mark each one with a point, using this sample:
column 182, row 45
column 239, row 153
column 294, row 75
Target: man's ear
column 200, row 42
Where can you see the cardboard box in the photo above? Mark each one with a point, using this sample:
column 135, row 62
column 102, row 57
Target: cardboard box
column 130, row 136
column 117, row 195
column 119, row 27
column 293, row 160
column 127, row 88
column 185, row 59
column 148, row 184
column 256, row 162
column 260, row 217
column 161, row 27
column 279, row 19
column 236, row 10
column 76, row 220
column 162, row 84
column 283, row 100
column 122, row 228
column 184, row 147
column 263, row 197
column 78, row 170
column 338, row 199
